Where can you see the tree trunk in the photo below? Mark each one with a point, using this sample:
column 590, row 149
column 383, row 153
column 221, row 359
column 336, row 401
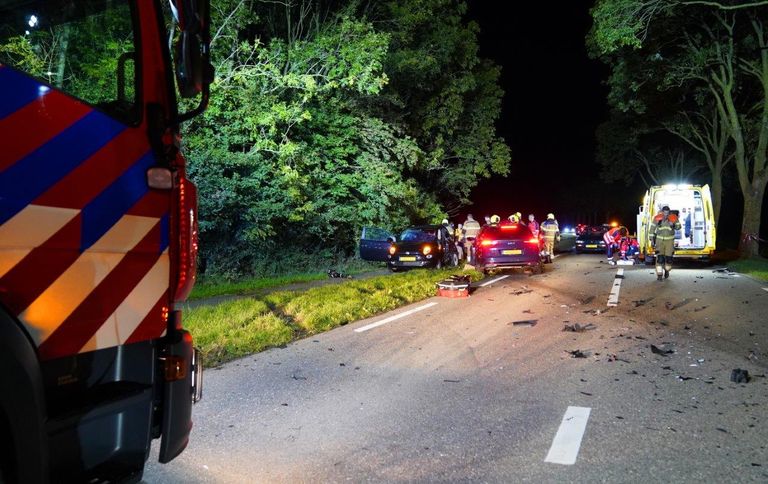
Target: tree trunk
column 717, row 195
column 750, row 224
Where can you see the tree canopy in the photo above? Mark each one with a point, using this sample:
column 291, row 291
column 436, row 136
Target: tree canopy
column 328, row 116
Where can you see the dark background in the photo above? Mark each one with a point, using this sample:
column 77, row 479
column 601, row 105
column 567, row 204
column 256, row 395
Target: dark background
column 554, row 99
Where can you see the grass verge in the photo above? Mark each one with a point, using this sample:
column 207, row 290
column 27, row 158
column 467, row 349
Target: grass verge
column 205, row 289
column 213, row 287
column 756, row 267
column 233, row 329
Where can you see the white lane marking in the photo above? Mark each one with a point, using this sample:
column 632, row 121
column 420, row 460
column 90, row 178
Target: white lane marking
column 765, row 289
column 613, row 298
column 567, row 441
column 488, row 283
column 395, row 317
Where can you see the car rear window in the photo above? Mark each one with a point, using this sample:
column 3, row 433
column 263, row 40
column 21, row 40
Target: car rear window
column 510, row 231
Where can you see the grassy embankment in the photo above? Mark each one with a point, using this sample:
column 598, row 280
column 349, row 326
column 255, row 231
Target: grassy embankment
column 233, row 329
column 212, row 287
column 756, row 267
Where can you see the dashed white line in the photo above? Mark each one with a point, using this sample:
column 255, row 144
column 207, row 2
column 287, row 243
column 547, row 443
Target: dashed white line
column 613, row 297
column 488, row 283
column 567, row 442
column 395, row 317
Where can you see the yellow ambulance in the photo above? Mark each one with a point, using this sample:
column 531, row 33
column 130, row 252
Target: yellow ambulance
column 693, row 206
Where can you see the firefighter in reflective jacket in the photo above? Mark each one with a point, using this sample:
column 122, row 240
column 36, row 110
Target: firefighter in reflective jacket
column 550, row 230
column 663, row 239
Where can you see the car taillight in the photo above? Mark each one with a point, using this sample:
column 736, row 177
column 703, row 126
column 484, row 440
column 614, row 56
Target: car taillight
column 187, row 258
column 486, row 243
column 534, row 241
column 392, row 249
column 426, row 250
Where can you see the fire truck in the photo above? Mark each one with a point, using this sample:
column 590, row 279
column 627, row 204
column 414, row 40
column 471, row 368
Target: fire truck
column 98, row 234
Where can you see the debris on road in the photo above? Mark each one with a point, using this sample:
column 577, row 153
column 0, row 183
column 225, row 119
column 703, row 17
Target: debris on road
column 613, row 357
column 684, row 378
column 334, row 274
column 586, row 393
column 578, row 328
column 527, row 323
column 587, row 300
column 661, row 351
column 576, row 353
column 451, row 381
column 522, row 290
column 740, row 376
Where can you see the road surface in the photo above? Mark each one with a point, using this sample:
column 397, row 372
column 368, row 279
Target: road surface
column 456, row 391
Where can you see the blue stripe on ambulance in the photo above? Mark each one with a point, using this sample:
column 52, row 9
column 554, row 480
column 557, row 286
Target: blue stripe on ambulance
column 24, row 91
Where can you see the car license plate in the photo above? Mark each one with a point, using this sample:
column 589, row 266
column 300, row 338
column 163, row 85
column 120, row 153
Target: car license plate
column 591, row 246
column 512, row 252
column 409, row 258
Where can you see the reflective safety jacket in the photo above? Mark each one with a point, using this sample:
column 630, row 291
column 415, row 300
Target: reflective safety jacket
column 664, row 229
column 550, row 229
column 471, row 229
column 612, row 236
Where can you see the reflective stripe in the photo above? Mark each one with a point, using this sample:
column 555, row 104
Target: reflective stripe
column 29, row 229
column 57, row 302
column 133, row 309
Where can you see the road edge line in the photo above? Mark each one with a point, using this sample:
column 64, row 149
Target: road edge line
column 395, row 317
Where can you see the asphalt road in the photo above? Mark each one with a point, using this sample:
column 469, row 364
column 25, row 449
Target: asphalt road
column 458, row 392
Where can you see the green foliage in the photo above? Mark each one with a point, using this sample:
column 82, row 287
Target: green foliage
column 322, row 123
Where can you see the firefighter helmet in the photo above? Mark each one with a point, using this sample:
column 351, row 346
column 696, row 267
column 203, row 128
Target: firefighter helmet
column 495, row 219
column 550, row 216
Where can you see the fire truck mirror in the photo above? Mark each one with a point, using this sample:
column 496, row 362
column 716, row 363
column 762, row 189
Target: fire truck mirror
column 194, row 71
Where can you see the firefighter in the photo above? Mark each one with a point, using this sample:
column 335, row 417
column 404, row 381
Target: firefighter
column 514, row 218
column 663, row 239
column 533, row 225
column 458, row 239
column 471, row 229
column 551, row 231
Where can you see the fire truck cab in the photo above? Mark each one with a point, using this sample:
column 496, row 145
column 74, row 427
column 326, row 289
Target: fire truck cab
column 98, row 234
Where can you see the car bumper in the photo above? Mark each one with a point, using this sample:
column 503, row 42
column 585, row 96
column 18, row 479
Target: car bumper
column 421, row 261
column 591, row 247
column 508, row 262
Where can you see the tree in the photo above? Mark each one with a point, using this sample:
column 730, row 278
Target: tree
column 717, row 52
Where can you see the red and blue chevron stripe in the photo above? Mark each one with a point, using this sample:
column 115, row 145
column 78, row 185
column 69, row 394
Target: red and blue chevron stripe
column 83, row 241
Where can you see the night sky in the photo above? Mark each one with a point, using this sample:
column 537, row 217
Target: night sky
column 554, row 101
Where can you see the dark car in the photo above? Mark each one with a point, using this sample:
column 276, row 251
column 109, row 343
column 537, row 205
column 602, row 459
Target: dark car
column 423, row 246
column 506, row 246
column 418, row 246
column 591, row 239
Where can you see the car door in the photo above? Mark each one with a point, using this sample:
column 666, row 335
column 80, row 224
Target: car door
column 374, row 244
